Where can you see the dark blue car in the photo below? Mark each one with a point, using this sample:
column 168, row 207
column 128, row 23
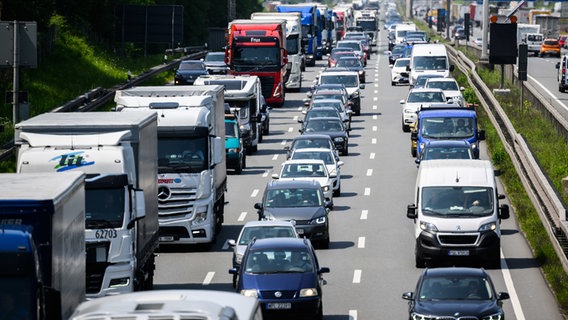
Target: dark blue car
column 188, row 71
column 285, row 277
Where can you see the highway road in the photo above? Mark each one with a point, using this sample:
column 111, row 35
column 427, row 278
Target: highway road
column 371, row 255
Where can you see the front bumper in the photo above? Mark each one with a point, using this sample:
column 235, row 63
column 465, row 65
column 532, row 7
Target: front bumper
column 457, row 245
column 300, row 308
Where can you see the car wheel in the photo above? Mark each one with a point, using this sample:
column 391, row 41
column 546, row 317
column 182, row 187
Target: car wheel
column 244, row 160
column 234, row 281
column 319, row 315
column 266, row 130
column 413, row 152
column 405, row 128
column 239, row 167
column 419, row 262
column 324, row 244
column 255, row 148
column 345, row 151
column 337, row 193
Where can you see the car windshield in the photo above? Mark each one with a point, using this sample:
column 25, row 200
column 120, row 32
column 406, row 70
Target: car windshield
column 455, row 288
column 345, row 79
column 293, row 197
column 348, row 63
column 327, row 157
column 457, row 201
column 261, row 232
column 425, row 97
column 215, row 57
column 447, row 127
column 303, row 170
column 279, row 261
column 321, row 113
column 444, row 85
column 311, row 143
column 401, row 63
column 191, row 66
column 317, row 125
column 330, row 104
column 421, row 80
column 397, row 49
column 434, row 153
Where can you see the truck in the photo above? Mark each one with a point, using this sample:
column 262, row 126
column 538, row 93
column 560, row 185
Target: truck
column 192, row 174
column 258, row 48
column 244, row 96
column 327, row 33
column 309, row 29
column 42, row 245
column 369, row 21
column 296, row 58
column 548, row 25
column 118, row 154
column 456, row 212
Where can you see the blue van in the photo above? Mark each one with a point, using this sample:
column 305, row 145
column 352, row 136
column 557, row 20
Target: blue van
column 446, row 122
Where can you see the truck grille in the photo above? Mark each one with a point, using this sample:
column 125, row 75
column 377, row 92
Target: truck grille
column 267, row 83
column 178, row 201
column 456, row 239
column 96, row 269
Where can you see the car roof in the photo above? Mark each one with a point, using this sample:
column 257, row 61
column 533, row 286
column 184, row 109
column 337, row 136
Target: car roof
column 312, row 150
column 303, row 161
column 448, row 143
column 424, row 90
column 268, row 223
column 285, row 184
column 270, row 243
column 456, row 271
column 309, row 136
column 325, row 119
column 327, row 101
column 337, row 71
column 442, row 79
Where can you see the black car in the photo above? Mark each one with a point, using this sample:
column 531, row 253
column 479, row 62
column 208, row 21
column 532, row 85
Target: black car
column 215, row 63
column 285, row 276
column 333, row 127
column 264, row 118
column 353, row 64
column 455, row 293
column 301, row 201
column 398, row 51
column 188, row 71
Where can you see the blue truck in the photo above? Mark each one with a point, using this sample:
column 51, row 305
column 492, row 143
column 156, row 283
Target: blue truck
column 446, row 122
column 42, row 245
column 310, row 33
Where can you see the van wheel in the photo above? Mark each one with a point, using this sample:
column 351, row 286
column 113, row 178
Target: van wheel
column 319, row 315
column 244, row 160
column 239, row 167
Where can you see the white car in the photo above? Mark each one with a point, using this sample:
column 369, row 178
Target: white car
column 399, row 74
column 330, row 159
column 414, row 100
column 308, row 169
column 452, row 90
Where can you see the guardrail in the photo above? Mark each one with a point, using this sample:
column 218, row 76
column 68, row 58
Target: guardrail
column 542, row 194
column 96, row 98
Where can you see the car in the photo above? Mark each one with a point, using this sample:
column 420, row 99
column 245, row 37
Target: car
column 459, row 33
column 336, row 92
column 258, row 230
column 550, row 47
column 330, row 159
column 360, row 36
column 563, row 40
column 308, row 169
column 451, row 88
column 319, row 113
column 445, row 149
column 188, row 71
column 455, row 292
column 353, row 64
column 348, row 78
column 398, row 51
column 399, row 74
column 357, row 46
column 215, row 63
column 478, row 41
column 264, row 117
column 311, row 141
column 343, row 110
column 336, row 53
column 422, row 78
column 414, row 100
column 234, row 148
column 301, row 201
column 333, row 127
column 285, row 276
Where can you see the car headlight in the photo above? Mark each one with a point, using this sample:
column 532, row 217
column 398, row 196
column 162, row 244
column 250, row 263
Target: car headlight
column 361, row 71
column 320, row 220
column 417, row 316
column 308, row 292
column 233, row 150
column 338, row 139
column 488, row 226
column 427, row 226
column 249, row 293
column 409, row 110
column 496, row 316
column 325, row 188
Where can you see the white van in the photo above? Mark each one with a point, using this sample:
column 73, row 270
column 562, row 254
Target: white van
column 400, row 31
column 456, row 212
column 562, row 74
column 171, row 304
column 429, row 58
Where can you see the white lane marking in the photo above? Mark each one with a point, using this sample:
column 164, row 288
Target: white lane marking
column 290, row 129
column 369, row 172
column 374, row 141
column 283, row 142
column 376, row 91
column 519, row 315
column 375, row 107
column 372, row 156
column 376, row 85
column 364, row 214
column 357, row 276
column 265, row 174
column 208, row 278
column 295, row 118
column 375, row 116
column 352, row 314
column 254, row 193
column 274, row 157
column 361, row 243
column 374, row 128
column 367, row 191
column 375, row 99
column 242, row 216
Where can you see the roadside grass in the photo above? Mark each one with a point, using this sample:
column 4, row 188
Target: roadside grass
column 550, row 151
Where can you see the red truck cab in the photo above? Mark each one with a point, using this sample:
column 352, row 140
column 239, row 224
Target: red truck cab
column 259, row 48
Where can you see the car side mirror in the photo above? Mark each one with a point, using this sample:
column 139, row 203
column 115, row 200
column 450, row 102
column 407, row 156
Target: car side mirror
column 324, row 270
column 452, row 67
column 408, row 296
column 258, row 205
column 502, row 296
column 231, row 242
column 361, row 86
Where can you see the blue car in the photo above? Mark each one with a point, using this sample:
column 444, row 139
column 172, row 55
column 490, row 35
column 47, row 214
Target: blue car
column 285, row 277
column 188, row 71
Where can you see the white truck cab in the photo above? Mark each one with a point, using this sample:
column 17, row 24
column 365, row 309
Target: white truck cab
column 456, row 212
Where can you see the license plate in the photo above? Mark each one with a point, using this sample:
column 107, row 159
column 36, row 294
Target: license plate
column 300, row 231
column 167, row 238
column 279, row 305
column 459, row 253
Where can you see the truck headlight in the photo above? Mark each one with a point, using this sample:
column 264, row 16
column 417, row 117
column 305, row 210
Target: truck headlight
column 491, row 226
column 308, row 292
column 200, row 215
column 427, row 226
column 249, row 293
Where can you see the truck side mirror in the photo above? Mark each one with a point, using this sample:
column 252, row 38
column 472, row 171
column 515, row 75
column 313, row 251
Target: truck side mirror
column 140, row 204
column 219, row 147
column 411, row 211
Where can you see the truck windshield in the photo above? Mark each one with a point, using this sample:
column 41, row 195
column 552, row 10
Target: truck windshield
column 182, row 154
column 104, row 208
column 256, row 56
column 16, row 297
column 292, row 44
column 457, row 201
column 448, row 127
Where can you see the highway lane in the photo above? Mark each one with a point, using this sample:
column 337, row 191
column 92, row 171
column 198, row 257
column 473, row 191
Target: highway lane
column 371, row 252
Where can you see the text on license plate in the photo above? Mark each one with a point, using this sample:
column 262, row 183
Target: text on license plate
column 166, row 238
column 279, row 305
column 459, row 253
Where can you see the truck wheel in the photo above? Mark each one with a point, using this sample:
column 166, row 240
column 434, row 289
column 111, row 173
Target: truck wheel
column 413, row 152
column 266, row 131
column 239, row 167
column 244, row 161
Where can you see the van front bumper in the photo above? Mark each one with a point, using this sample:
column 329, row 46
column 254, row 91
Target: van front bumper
column 440, row 246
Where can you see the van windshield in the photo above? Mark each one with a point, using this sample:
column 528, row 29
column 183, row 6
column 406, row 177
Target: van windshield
column 457, row 201
column 430, row 63
column 447, row 127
